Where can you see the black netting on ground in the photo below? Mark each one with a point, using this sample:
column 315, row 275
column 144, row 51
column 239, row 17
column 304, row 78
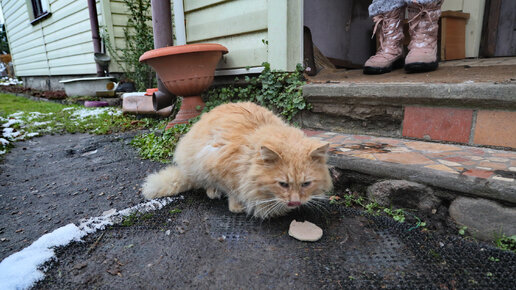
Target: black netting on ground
column 200, row 244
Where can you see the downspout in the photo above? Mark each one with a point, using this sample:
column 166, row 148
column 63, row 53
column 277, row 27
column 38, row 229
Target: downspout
column 94, row 22
column 162, row 30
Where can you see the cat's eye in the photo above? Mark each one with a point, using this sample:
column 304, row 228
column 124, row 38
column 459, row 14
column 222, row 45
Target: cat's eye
column 306, row 184
column 283, row 184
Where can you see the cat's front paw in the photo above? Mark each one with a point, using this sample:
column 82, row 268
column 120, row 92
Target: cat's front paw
column 235, row 205
column 213, row 193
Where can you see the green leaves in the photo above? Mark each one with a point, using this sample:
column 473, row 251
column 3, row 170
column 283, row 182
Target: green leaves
column 281, row 92
column 160, row 147
column 138, row 39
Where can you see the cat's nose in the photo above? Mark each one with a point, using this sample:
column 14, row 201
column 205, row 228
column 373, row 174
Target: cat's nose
column 293, row 203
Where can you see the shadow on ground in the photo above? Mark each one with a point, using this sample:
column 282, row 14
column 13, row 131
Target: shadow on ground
column 198, row 243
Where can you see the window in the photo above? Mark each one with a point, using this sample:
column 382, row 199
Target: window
column 38, row 10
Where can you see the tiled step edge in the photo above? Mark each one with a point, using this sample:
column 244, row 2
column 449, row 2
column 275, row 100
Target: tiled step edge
column 491, row 189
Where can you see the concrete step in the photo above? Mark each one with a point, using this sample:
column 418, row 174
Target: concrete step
column 474, row 186
column 471, row 171
column 477, row 107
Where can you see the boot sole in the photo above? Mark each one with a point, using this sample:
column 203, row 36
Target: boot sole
column 371, row 70
column 418, row 67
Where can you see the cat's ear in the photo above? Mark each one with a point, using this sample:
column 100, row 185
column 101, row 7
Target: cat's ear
column 320, row 152
column 268, row 155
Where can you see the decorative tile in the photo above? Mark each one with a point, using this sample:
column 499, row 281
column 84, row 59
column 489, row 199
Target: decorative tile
column 477, row 158
column 492, row 128
column 499, row 166
column 404, row 158
column 456, row 159
column 448, row 163
column 475, row 151
column 366, row 156
column 431, row 147
column 478, row 173
column 312, row 133
column 361, row 137
column 506, row 155
column 446, row 124
column 484, row 168
column 498, row 159
column 441, row 167
column 512, row 168
column 503, row 179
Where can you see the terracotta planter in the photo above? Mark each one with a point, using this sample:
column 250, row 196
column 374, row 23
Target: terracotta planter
column 187, row 71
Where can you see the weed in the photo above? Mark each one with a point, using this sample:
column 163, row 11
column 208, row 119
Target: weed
column 174, row 211
column 373, row 208
column 160, row 146
column 506, row 243
column 397, row 214
column 462, row 230
column 135, row 217
column 130, row 220
column 493, row 259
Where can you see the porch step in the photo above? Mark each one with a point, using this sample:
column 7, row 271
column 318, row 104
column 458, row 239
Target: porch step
column 474, row 106
column 471, row 171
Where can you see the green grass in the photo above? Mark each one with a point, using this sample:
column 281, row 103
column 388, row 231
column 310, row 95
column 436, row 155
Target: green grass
column 32, row 118
column 11, row 104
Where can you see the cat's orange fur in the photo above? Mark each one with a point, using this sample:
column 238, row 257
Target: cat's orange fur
column 264, row 166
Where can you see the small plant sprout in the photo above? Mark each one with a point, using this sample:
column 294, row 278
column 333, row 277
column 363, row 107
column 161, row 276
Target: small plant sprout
column 462, row 230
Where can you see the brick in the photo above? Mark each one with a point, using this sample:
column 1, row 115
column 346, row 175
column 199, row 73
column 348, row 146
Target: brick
column 444, row 124
column 496, row 128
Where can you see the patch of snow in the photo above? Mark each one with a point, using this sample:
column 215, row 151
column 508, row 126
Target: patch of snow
column 32, row 134
column 4, row 141
column 9, row 133
column 40, row 123
column 12, row 122
column 84, row 113
column 22, row 269
column 2, row 152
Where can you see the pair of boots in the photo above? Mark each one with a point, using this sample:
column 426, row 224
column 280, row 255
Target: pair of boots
column 423, row 29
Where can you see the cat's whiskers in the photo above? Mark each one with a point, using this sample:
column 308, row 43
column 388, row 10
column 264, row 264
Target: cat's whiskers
column 274, row 208
column 265, row 206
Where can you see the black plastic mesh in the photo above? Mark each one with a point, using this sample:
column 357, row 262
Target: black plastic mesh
column 357, row 251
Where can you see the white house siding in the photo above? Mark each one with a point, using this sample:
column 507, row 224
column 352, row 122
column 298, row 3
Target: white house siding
column 58, row 45
column 245, row 27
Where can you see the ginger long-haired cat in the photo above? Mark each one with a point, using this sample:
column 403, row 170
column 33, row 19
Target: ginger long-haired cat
column 264, row 166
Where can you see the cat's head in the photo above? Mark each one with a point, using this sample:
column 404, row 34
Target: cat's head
column 292, row 175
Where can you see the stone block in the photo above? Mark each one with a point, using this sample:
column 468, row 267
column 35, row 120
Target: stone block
column 485, row 219
column 403, row 194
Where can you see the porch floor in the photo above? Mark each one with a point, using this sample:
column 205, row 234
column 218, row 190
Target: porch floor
column 495, row 70
column 482, row 172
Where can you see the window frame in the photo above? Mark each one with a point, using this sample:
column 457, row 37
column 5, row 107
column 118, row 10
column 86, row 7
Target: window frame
column 38, row 10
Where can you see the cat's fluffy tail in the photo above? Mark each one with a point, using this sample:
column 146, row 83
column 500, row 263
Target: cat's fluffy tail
column 167, row 182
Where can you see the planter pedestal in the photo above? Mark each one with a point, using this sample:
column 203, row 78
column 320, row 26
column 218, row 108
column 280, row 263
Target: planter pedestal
column 191, row 107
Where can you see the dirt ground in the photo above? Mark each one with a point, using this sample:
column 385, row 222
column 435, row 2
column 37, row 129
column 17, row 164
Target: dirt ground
column 196, row 243
column 50, row 181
